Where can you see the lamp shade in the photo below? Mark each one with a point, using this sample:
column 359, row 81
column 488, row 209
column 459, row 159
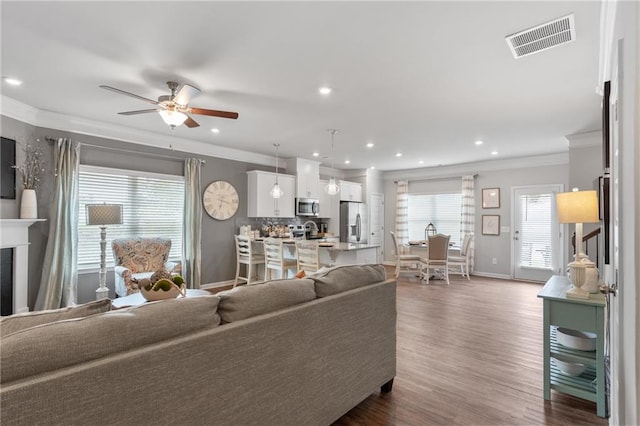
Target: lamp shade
column 577, row 207
column 172, row 118
column 104, row 214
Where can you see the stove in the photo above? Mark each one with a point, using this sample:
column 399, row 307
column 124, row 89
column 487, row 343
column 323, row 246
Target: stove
column 296, row 231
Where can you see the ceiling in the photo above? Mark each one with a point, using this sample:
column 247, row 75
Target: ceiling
column 425, row 79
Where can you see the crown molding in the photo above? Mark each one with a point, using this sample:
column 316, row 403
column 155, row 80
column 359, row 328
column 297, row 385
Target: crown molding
column 77, row 125
column 586, row 139
column 457, row 170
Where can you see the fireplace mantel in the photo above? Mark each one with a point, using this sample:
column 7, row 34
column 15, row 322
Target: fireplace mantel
column 14, row 233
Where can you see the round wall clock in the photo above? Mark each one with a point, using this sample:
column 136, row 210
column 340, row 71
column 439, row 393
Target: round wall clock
column 220, row 200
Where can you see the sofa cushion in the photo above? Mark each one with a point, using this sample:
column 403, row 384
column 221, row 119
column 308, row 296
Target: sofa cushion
column 347, row 277
column 11, row 324
column 249, row 301
column 60, row 344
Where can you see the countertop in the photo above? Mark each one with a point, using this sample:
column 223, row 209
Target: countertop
column 335, row 246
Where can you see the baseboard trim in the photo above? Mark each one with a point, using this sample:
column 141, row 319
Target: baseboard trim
column 491, row 275
column 217, row 285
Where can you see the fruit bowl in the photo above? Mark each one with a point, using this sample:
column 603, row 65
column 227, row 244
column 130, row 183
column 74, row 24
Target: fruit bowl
column 161, row 294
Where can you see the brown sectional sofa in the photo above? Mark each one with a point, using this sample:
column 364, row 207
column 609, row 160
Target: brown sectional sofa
column 287, row 352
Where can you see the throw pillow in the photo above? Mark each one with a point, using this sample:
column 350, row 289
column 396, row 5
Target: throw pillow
column 13, row 323
column 342, row 278
column 250, row 301
column 300, row 274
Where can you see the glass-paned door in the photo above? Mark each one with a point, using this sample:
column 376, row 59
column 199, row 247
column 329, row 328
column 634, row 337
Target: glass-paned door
column 537, row 252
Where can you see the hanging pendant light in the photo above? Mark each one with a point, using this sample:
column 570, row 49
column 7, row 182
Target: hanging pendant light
column 276, row 192
column 332, row 188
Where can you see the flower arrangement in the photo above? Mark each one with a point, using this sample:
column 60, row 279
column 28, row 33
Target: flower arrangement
column 33, row 166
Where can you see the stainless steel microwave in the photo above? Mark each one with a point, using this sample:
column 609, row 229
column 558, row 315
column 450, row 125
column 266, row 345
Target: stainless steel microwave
column 307, row 207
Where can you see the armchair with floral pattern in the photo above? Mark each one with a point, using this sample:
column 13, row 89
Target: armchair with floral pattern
column 139, row 258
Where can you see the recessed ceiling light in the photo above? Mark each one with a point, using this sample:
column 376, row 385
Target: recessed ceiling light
column 215, row 130
column 421, row 162
column 479, row 142
column 398, row 154
column 12, row 81
column 324, row 90
column 494, row 152
column 370, row 145
column 316, row 154
column 347, row 162
column 372, row 167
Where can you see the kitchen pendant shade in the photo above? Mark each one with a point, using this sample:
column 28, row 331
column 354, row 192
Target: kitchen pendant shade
column 332, row 188
column 276, row 191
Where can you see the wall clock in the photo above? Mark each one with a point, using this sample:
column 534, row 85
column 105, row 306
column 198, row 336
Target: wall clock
column 220, row 200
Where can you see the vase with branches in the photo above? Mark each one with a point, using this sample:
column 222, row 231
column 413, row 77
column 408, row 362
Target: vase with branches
column 33, row 166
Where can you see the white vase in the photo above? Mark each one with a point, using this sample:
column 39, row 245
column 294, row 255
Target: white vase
column 29, row 204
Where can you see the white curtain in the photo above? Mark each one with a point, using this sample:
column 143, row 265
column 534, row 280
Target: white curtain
column 192, row 224
column 468, row 217
column 402, row 213
column 59, row 282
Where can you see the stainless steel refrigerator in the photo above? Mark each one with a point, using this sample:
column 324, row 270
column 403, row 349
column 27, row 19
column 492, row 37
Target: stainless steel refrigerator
column 354, row 222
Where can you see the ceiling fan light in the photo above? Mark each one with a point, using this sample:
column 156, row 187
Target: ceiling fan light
column 332, row 188
column 276, row 192
column 172, row 118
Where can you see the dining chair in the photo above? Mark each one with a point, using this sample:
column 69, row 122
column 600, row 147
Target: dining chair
column 308, row 256
column 464, row 260
column 407, row 262
column 437, row 257
column 274, row 258
column 245, row 255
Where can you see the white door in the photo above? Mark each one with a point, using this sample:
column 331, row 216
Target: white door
column 537, row 241
column 376, row 223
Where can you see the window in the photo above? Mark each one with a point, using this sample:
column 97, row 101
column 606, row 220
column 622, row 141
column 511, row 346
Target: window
column 152, row 207
column 443, row 210
column 536, row 230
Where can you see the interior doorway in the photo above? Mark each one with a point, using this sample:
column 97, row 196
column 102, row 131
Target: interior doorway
column 537, row 245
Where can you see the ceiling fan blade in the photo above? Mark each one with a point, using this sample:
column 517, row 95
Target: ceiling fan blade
column 190, row 122
column 122, row 92
column 185, row 94
column 214, row 113
column 140, row 111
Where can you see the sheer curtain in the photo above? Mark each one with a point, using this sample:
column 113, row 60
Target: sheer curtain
column 192, row 226
column 402, row 213
column 468, row 217
column 59, row 282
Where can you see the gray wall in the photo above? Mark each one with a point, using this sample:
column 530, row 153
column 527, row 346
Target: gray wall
column 218, row 251
column 486, row 247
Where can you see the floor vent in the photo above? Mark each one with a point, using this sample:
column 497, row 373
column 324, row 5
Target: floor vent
column 542, row 37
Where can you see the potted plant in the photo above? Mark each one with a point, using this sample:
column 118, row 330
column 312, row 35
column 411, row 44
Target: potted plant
column 30, row 172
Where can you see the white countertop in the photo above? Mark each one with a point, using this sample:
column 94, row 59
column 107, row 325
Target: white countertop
column 334, row 246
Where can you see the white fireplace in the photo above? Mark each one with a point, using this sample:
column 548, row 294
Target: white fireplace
column 14, row 233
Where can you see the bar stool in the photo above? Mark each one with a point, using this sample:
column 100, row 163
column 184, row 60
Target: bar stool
column 274, row 258
column 246, row 256
column 308, row 256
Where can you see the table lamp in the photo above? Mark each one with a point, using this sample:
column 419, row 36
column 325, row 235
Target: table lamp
column 103, row 215
column 579, row 207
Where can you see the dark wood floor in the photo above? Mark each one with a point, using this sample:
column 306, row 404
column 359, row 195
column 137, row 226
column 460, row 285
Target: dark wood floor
column 469, row 354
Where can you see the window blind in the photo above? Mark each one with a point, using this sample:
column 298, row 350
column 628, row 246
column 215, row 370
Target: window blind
column 443, row 210
column 536, row 225
column 152, row 207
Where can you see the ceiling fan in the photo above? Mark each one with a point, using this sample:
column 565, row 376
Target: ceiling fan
column 174, row 108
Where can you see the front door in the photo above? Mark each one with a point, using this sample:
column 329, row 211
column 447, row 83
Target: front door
column 537, row 242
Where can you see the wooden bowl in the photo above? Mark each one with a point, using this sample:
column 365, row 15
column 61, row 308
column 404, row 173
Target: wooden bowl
column 153, row 295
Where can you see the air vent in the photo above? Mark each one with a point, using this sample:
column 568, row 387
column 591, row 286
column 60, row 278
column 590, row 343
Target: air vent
column 542, row 37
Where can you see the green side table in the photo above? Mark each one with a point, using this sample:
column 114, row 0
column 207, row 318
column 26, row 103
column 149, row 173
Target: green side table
column 578, row 314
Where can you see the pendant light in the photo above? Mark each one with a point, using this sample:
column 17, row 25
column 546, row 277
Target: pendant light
column 276, row 192
column 332, row 188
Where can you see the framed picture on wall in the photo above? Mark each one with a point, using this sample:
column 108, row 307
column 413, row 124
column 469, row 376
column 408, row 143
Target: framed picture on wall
column 490, row 224
column 491, row 198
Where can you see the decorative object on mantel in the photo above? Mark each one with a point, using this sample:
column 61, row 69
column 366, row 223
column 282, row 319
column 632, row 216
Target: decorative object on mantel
column 276, row 191
column 161, row 285
column 332, row 187
column 103, row 215
column 30, row 172
column 580, row 207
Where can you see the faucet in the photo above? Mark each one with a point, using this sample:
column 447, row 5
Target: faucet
column 304, row 225
column 313, row 231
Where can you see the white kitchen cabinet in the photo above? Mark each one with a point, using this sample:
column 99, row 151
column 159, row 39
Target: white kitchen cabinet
column 350, row 191
column 324, row 200
column 259, row 200
column 307, row 177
